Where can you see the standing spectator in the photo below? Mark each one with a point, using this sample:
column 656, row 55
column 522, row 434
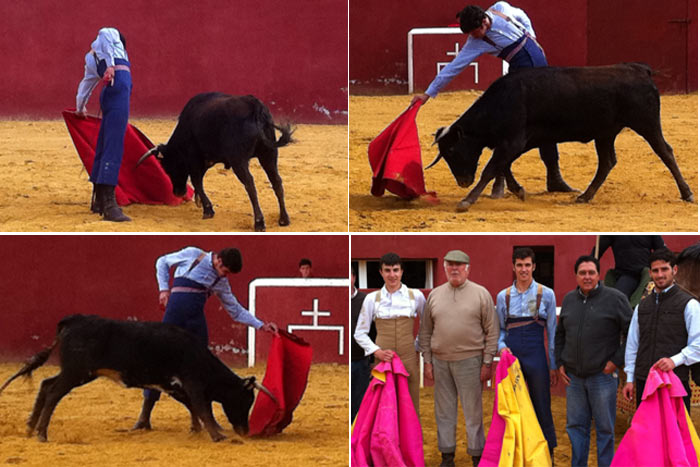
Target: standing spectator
column 665, row 329
column 393, row 309
column 589, row 347
column 360, row 365
column 459, row 337
column 305, row 268
column 524, row 310
column 108, row 61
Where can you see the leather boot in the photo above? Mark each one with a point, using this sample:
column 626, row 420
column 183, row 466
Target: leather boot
column 96, row 202
column 110, row 210
column 448, row 459
column 476, row 460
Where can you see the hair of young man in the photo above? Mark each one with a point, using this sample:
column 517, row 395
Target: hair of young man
column 522, row 253
column 663, row 254
column 231, row 258
column 390, row 259
column 587, row 259
column 470, row 18
column 304, row 262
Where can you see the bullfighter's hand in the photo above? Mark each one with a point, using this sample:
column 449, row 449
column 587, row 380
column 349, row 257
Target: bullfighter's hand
column 163, row 298
column 81, row 113
column 627, row 391
column 664, row 364
column 563, row 376
column 485, row 373
column 384, row 355
column 609, row 368
column 420, row 97
column 553, row 377
column 429, row 371
column 270, row 327
column 109, row 74
column 504, row 348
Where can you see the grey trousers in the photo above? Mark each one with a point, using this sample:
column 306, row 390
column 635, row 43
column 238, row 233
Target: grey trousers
column 453, row 379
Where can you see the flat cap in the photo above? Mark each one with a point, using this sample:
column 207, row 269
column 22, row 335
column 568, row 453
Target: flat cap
column 457, row 256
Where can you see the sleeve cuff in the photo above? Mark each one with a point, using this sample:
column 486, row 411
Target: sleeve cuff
column 678, row 359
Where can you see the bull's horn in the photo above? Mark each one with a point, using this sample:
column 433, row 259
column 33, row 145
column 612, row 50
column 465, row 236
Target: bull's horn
column 149, row 153
column 439, row 156
column 266, row 391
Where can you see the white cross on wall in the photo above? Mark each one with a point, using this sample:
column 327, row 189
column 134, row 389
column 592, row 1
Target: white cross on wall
column 315, row 313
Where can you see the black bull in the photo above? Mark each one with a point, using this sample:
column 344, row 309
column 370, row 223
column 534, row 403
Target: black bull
column 215, row 127
column 539, row 107
column 145, row 355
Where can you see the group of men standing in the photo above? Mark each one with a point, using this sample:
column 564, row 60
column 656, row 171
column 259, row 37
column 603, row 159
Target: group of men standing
column 461, row 332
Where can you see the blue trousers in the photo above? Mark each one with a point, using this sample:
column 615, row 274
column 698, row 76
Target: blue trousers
column 528, row 345
column 360, row 374
column 591, row 398
column 114, row 101
column 185, row 310
column 529, row 56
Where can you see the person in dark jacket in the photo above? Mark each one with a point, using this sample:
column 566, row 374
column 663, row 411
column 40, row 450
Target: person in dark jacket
column 665, row 330
column 589, row 347
column 631, row 254
column 360, row 366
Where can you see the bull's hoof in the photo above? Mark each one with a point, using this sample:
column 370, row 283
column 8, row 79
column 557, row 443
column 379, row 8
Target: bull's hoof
column 497, row 194
column 42, row 438
column 521, row 194
column 236, row 441
column 141, row 425
column 284, row 220
column 30, row 432
column 582, row 199
column 195, row 428
column 260, row 226
column 558, row 185
column 208, row 214
column 689, row 198
column 216, row 437
column 463, row 206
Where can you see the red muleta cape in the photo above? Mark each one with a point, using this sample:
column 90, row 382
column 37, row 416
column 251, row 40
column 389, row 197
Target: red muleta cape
column 286, row 375
column 394, row 156
column 147, row 184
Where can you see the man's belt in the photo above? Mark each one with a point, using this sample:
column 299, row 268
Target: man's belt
column 179, row 289
column 518, row 324
column 121, row 67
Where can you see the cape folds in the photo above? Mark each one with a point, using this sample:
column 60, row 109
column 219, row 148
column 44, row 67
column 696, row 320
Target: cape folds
column 147, row 184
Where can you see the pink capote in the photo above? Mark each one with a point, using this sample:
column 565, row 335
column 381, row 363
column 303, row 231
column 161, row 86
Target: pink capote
column 394, row 156
column 515, row 437
column 387, row 431
column 146, row 184
column 661, row 433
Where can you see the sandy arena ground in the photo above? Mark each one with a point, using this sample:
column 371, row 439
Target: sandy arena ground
column 44, row 187
column 562, row 453
column 91, row 426
column 640, row 193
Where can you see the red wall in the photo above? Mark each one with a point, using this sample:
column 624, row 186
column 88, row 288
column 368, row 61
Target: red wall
column 47, row 277
column 291, row 55
column 574, row 33
column 490, row 255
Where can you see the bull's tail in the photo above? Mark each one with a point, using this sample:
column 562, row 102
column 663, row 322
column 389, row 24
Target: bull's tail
column 32, row 364
column 286, row 137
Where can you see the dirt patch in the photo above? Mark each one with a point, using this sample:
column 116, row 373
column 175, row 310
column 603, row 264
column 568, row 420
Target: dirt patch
column 43, row 186
column 90, row 426
column 639, row 194
column 562, row 453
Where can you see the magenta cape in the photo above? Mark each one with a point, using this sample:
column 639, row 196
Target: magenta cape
column 387, row 431
column 147, row 184
column 515, row 437
column 662, row 433
column 286, row 375
column 394, row 157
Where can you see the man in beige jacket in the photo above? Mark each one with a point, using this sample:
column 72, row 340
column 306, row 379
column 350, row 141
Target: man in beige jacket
column 459, row 338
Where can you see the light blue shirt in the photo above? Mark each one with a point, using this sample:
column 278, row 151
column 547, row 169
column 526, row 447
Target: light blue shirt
column 107, row 47
column 205, row 274
column 522, row 305
column 502, row 33
column 687, row 356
